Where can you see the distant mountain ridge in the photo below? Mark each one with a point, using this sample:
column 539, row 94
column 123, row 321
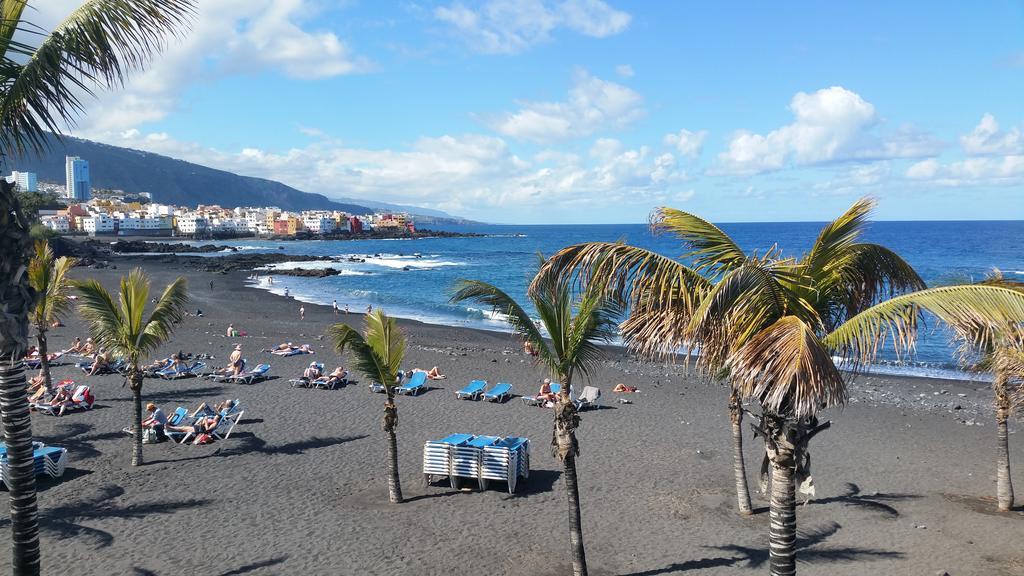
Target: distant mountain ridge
column 172, row 181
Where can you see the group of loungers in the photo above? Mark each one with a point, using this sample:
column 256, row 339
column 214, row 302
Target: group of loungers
column 410, row 385
column 477, row 390
column 590, row 397
column 66, row 396
column 204, row 424
column 314, row 377
column 257, row 374
column 482, row 458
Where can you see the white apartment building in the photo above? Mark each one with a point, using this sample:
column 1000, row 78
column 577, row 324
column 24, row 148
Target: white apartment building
column 319, row 223
column 26, row 181
column 59, row 224
column 99, row 224
column 192, row 225
column 233, row 225
column 130, row 223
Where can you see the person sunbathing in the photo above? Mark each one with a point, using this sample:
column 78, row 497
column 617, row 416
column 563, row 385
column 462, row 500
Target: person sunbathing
column 435, row 374
column 62, row 398
column 76, row 346
column 202, row 425
column 36, row 387
column 338, row 376
column 89, row 349
column 620, row 387
column 159, row 365
column 285, row 347
column 529, row 350
column 100, row 362
column 235, row 363
column 312, row 372
column 545, row 394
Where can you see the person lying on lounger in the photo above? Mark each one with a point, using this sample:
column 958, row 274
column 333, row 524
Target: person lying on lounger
column 159, row 365
column 89, row 349
column 434, row 374
column 203, row 425
column 36, row 387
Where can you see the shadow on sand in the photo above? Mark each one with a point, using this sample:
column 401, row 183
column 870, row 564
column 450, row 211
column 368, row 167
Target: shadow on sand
column 66, row 520
column 242, row 443
column 748, row 557
column 875, row 502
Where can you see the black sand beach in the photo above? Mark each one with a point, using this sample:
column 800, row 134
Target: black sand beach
column 903, row 483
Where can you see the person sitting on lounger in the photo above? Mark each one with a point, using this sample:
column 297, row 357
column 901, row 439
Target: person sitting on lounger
column 62, row 398
column 545, row 394
column 235, row 363
column 100, row 362
column 89, row 349
column 202, row 425
column 312, row 372
column 37, row 387
column 156, row 420
column 76, row 346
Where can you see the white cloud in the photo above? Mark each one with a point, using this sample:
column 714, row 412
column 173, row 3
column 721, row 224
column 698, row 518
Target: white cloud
column 830, row 125
column 472, row 174
column 689, row 144
column 227, row 37
column 624, row 70
column 858, row 178
column 593, row 104
column 988, row 140
column 511, row 26
column 982, row 171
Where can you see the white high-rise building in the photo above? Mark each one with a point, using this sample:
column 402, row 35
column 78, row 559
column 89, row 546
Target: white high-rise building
column 77, row 172
column 26, row 181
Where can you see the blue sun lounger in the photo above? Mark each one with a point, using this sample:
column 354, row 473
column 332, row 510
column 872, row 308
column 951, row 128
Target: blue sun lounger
column 415, row 384
column 182, row 371
column 49, row 460
column 255, row 375
column 501, row 392
column 472, row 390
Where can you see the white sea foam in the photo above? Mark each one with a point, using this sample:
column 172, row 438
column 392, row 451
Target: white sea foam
column 399, row 262
column 311, row 265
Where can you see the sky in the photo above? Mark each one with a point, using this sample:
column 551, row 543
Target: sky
column 591, row 111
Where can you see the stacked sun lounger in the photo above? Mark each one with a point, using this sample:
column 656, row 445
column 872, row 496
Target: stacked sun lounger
column 49, row 460
column 477, row 457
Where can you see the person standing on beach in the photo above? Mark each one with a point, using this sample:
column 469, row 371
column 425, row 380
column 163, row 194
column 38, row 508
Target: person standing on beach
column 285, row 291
column 335, row 307
column 211, row 285
column 369, row 308
column 346, row 308
column 302, row 312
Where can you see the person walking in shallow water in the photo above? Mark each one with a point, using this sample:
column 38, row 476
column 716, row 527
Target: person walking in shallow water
column 302, row 312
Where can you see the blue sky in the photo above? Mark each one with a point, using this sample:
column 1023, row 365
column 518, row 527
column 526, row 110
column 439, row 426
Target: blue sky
column 548, row 111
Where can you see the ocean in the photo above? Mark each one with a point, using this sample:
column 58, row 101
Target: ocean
column 392, row 276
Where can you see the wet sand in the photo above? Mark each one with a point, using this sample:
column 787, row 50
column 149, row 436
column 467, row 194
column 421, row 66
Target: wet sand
column 904, row 484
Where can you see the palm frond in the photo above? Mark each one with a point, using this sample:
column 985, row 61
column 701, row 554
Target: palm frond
column 102, row 315
column 836, row 238
column 10, row 11
column 594, row 322
column 516, row 316
column 168, row 311
column 99, row 44
column 639, row 278
column 379, row 354
column 976, row 313
column 788, row 370
column 711, row 249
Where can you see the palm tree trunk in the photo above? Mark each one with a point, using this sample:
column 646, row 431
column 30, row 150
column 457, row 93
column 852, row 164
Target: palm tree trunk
column 17, row 299
column 565, row 448
column 136, row 384
column 782, row 514
column 21, row 476
column 739, row 466
column 579, row 556
column 390, row 424
column 1004, row 486
column 44, row 362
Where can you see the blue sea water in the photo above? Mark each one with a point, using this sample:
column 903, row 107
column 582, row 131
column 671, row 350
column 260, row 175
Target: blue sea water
column 419, row 287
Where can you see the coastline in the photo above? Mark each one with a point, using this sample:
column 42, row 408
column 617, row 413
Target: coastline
column 299, row 487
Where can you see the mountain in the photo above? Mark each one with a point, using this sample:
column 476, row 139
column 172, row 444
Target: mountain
column 172, row 181
column 419, row 211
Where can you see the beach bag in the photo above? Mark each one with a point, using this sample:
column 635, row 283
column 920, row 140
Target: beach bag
column 149, row 436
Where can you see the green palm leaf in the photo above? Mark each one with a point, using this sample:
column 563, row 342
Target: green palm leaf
column 379, row 353
column 49, row 277
column 975, row 312
column 98, row 44
column 711, row 249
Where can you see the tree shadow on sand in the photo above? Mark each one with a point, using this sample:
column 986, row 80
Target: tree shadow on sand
column 756, row 558
column 242, row 443
column 175, row 394
column 875, row 501
column 66, row 520
column 255, row 566
column 76, row 438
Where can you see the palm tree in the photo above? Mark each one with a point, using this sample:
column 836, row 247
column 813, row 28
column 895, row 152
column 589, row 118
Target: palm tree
column 49, row 278
column 1002, row 357
column 675, row 306
column 574, row 328
column 378, row 354
column 124, row 330
column 42, row 81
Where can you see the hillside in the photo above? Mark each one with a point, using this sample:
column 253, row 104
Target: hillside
column 173, row 181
